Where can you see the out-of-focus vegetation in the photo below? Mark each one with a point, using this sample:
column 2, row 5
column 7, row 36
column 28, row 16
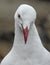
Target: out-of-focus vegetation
column 7, row 10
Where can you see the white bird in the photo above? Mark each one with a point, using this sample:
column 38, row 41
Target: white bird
column 27, row 47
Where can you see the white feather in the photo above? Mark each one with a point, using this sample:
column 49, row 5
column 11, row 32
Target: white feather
column 31, row 53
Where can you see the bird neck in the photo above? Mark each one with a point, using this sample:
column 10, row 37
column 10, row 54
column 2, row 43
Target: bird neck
column 33, row 44
column 33, row 36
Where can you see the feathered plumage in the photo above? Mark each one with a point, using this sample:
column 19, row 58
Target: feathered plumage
column 33, row 52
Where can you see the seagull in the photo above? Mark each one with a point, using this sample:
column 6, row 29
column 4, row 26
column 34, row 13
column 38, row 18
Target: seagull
column 27, row 48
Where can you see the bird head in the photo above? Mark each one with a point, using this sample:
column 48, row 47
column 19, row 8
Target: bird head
column 24, row 16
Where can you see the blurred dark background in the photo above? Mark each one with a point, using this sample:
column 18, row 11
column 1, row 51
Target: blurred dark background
column 7, row 10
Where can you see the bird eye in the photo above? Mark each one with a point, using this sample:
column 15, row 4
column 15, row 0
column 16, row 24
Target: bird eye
column 19, row 16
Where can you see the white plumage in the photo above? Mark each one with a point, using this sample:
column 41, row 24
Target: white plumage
column 33, row 52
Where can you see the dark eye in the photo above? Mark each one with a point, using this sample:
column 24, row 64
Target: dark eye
column 19, row 16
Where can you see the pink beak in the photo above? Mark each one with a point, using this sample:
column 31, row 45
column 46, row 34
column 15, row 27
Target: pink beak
column 25, row 32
